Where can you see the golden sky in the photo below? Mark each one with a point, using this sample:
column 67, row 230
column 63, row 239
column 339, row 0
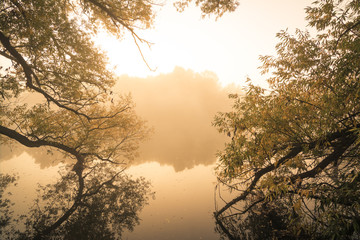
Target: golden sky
column 229, row 47
column 180, row 106
column 180, row 100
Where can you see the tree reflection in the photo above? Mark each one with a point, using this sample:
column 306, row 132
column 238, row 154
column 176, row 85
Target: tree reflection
column 182, row 112
column 109, row 202
column 288, row 216
column 5, row 213
column 186, row 120
column 45, row 156
column 262, row 219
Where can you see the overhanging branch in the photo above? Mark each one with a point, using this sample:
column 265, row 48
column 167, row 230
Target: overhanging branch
column 29, row 74
column 346, row 140
column 36, row 143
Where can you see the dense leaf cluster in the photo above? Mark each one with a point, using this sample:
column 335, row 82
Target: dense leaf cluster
column 298, row 143
column 56, row 92
column 209, row 7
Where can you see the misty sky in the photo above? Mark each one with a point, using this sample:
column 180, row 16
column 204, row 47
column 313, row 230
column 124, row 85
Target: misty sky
column 229, row 47
column 180, row 106
column 180, row 102
column 195, row 59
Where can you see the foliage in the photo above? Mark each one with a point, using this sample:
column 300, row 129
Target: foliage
column 298, row 142
column 105, row 210
column 57, row 92
column 5, row 204
column 53, row 60
column 267, row 220
column 208, row 7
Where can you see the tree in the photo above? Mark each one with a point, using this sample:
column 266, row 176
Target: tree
column 104, row 210
column 208, row 7
column 103, row 214
column 298, row 142
column 5, row 203
column 53, row 60
column 56, row 92
column 266, row 220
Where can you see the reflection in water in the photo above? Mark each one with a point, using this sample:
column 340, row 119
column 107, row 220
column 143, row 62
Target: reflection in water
column 182, row 208
column 180, row 106
column 102, row 213
column 44, row 156
column 108, row 204
column 30, row 175
column 268, row 220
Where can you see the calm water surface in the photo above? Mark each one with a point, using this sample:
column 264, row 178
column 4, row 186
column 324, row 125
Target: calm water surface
column 182, row 207
column 178, row 160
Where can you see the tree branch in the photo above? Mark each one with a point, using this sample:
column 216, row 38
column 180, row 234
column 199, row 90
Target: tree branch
column 71, row 210
column 125, row 25
column 29, row 73
column 36, row 143
column 293, row 152
column 340, row 149
column 345, row 32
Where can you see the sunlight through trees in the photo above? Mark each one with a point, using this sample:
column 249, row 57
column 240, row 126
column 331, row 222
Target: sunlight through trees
column 72, row 109
column 294, row 149
column 57, row 92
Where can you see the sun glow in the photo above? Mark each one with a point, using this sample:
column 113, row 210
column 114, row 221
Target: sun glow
column 230, row 46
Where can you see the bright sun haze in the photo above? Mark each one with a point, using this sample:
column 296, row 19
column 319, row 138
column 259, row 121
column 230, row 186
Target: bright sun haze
column 170, row 136
column 229, row 46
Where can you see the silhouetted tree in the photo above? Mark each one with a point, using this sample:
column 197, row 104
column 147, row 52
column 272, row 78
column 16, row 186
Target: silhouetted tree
column 298, row 143
column 208, row 7
column 102, row 212
column 5, row 204
column 49, row 57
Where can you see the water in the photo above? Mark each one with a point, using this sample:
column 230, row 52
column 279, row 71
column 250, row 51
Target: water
column 179, row 159
column 182, row 208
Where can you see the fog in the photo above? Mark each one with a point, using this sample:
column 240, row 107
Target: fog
column 180, row 107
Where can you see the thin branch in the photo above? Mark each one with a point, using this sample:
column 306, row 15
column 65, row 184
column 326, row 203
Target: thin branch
column 29, row 73
column 340, row 149
column 142, row 55
column 95, row 191
column 345, row 32
column 293, row 152
column 125, row 25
